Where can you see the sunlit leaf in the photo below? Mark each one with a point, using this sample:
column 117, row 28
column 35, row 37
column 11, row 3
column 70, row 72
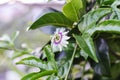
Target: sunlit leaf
column 74, row 9
column 68, row 1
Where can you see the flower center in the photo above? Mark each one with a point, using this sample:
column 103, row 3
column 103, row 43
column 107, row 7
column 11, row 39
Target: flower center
column 58, row 38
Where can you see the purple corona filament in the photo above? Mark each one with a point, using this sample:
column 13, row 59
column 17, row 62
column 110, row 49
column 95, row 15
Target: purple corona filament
column 58, row 38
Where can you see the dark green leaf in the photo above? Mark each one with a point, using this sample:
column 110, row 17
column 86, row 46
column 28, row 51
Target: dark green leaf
column 115, row 70
column 107, row 2
column 114, row 45
column 54, row 18
column 74, row 9
column 33, row 61
column 86, row 44
column 92, row 17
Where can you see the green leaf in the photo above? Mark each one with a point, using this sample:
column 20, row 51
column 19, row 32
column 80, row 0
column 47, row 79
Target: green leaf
column 116, row 9
column 92, row 17
column 99, row 1
column 87, row 45
column 83, row 54
column 74, row 10
column 114, row 16
column 68, row 1
column 54, row 18
column 34, row 76
column 108, row 2
column 115, row 70
column 28, row 76
column 63, row 69
column 105, row 2
column 111, row 26
column 114, row 44
column 52, row 77
column 33, row 61
column 50, row 56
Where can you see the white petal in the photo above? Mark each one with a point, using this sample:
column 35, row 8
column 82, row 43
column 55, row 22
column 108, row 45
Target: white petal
column 62, row 30
column 65, row 33
column 55, row 48
column 64, row 45
column 65, row 42
column 57, row 30
column 66, row 37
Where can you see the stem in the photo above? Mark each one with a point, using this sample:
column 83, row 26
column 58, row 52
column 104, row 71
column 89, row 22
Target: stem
column 71, row 61
column 83, row 70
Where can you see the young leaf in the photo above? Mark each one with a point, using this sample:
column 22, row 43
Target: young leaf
column 50, row 56
column 86, row 44
column 34, row 76
column 54, row 18
column 33, row 61
column 74, row 9
column 92, row 17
